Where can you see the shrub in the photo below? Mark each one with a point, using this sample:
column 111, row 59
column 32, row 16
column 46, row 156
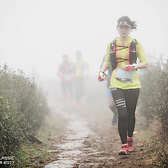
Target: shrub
column 154, row 103
column 154, row 93
column 22, row 109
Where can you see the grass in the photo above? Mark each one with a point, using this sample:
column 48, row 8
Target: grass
column 155, row 146
column 31, row 155
column 35, row 155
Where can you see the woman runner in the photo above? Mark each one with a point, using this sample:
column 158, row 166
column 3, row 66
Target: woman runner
column 125, row 84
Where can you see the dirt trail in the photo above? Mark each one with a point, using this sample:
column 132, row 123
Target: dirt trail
column 91, row 142
column 71, row 146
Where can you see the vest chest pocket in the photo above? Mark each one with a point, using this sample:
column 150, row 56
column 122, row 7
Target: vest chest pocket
column 124, row 76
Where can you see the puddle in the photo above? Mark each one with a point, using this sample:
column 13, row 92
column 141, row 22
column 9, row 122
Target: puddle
column 72, row 145
column 69, row 145
column 52, row 151
column 106, row 158
column 71, row 153
column 62, row 163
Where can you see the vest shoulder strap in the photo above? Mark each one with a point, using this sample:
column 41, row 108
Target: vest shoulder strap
column 133, row 45
column 132, row 53
column 113, row 46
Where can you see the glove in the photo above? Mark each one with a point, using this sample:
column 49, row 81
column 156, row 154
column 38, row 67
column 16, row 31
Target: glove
column 102, row 76
column 130, row 67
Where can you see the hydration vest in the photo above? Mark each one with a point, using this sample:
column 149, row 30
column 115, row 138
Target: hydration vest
column 132, row 58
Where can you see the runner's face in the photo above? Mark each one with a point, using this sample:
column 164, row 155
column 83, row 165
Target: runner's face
column 123, row 30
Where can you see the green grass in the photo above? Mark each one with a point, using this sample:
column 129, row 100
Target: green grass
column 35, row 155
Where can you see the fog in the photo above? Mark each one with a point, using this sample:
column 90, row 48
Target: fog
column 34, row 34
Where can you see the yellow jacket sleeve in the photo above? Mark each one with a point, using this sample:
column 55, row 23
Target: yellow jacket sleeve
column 140, row 53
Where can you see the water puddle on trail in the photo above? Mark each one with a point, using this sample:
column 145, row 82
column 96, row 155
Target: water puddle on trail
column 71, row 147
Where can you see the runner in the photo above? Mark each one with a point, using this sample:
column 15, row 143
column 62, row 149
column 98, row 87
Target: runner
column 81, row 71
column 111, row 103
column 66, row 74
column 125, row 85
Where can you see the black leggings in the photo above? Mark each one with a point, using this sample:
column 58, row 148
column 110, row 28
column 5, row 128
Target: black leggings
column 126, row 101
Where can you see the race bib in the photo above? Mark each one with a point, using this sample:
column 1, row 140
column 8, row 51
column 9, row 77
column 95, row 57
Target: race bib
column 124, row 76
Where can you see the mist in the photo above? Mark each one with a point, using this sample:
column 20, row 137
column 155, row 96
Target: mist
column 35, row 34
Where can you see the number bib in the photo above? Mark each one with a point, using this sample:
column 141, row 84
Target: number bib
column 124, row 76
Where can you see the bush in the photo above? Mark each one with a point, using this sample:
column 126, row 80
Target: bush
column 154, row 93
column 154, row 104
column 22, row 109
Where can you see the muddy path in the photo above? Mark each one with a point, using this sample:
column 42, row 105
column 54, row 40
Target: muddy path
column 89, row 141
column 71, row 145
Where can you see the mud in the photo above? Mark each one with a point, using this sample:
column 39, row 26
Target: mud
column 77, row 130
column 90, row 141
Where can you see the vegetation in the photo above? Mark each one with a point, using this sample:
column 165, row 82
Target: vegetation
column 154, row 105
column 22, row 109
column 37, row 155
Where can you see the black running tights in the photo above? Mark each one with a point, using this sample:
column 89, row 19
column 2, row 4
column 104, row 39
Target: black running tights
column 126, row 101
